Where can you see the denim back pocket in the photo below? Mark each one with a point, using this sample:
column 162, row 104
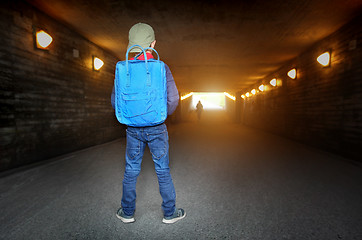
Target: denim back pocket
column 158, row 144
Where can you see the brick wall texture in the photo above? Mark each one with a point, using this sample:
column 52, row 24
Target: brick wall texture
column 322, row 107
column 51, row 101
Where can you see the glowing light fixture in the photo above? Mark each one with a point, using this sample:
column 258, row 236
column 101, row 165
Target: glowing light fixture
column 243, row 96
column 324, row 59
column 42, row 39
column 97, row 63
column 292, row 73
column 186, row 96
column 261, row 87
column 253, row 91
column 273, row 82
column 247, row 94
column 230, row 96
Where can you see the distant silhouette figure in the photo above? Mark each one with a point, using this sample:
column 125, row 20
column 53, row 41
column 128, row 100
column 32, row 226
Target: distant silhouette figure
column 199, row 109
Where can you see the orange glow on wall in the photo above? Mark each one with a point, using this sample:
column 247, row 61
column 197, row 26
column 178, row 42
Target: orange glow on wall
column 186, row 96
column 230, row 96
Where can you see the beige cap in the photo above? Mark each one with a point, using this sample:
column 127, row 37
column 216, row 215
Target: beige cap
column 140, row 34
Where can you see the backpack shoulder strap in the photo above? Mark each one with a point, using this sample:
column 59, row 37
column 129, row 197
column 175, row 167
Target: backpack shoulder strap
column 128, row 83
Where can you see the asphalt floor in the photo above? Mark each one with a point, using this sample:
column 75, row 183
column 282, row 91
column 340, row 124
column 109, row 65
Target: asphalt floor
column 234, row 182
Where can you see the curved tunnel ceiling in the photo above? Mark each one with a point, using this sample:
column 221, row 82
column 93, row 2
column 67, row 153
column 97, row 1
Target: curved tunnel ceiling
column 209, row 45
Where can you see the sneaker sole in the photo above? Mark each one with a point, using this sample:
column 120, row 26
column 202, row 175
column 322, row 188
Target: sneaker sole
column 125, row 220
column 173, row 220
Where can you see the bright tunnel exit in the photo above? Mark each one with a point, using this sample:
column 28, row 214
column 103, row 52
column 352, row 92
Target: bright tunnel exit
column 209, row 100
column 214, row 107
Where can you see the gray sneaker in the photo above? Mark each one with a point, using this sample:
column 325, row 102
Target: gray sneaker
column 125, row 218
column 177, row 215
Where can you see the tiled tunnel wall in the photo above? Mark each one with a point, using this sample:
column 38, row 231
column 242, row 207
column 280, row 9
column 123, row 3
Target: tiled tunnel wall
column 323, row 105
column 52, row 102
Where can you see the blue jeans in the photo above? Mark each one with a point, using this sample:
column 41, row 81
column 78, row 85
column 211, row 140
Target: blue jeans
column 156, row 138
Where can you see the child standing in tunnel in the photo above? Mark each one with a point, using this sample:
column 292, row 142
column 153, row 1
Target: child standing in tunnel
column 156, row 137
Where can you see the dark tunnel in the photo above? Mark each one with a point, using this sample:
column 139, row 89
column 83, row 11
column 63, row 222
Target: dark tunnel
column 273, row 154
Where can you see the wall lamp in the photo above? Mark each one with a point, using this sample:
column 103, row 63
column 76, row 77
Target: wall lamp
column 247, row 94
column 273, row 82
column 186, row 96
column 243, row 96
column 97, row 63
column 325, row 59
column 261, row 87
column 42, row 39
column 292, row 73
column 253, row 91
column 230, row 96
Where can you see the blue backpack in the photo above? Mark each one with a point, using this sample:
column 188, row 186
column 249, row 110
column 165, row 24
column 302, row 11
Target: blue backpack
column 140, row 91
